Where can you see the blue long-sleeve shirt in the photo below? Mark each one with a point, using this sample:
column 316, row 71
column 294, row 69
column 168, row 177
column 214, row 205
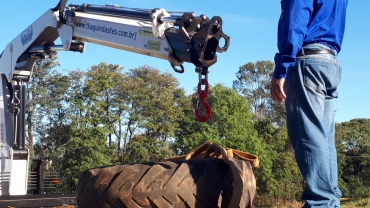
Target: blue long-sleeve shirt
column 308, row 21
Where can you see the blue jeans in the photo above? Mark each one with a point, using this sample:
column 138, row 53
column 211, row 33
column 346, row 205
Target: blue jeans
column 311, row 86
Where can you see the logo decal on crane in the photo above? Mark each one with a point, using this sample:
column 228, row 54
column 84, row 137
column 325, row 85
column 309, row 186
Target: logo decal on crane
column 153, row 45
column 26, row 35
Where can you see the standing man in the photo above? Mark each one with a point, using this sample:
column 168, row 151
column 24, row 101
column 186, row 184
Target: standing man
column 306, row 76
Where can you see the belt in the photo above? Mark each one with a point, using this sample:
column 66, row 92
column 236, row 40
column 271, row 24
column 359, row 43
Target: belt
column 307, row 51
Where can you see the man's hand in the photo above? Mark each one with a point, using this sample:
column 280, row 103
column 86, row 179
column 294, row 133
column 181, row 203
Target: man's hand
column 277, row 89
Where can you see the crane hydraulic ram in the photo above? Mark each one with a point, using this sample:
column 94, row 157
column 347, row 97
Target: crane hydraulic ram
column 177, row 37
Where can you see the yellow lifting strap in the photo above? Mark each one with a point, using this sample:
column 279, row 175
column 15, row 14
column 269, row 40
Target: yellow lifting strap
column 214, row 150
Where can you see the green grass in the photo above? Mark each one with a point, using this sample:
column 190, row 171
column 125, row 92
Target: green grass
column 363, row 203
column 355, row 203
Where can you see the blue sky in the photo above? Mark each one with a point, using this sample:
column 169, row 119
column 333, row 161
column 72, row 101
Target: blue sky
column 251, row 26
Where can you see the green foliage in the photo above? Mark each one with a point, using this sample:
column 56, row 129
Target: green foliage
column 37, row 97
column 52, row 146
column 285, row 182
column 284, row 173
column 253, row 81
column 276, row 137
column 153, row 99
column 353, row 144
column 85, row 151
column 143, row 149
column 100, row 92
column 230, row 125
column 232, row 121
column 152, row 106
column 105, row 105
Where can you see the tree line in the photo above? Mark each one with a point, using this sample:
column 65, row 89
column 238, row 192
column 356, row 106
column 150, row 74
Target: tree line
column 109, row 115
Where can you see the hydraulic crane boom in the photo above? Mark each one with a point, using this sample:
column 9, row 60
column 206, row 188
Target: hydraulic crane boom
column 174, row 36
column 177, row 37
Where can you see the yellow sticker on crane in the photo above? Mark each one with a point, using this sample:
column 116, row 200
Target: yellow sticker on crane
column 145, row 33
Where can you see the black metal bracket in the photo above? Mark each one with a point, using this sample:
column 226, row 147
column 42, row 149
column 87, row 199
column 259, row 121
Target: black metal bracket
column 197, row 39
column 60, row 7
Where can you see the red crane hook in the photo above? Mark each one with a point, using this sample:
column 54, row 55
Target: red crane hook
column 208, row 112
column 206, row 107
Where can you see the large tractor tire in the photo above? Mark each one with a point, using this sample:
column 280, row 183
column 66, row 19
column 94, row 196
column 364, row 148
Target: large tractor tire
column 196, row 183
